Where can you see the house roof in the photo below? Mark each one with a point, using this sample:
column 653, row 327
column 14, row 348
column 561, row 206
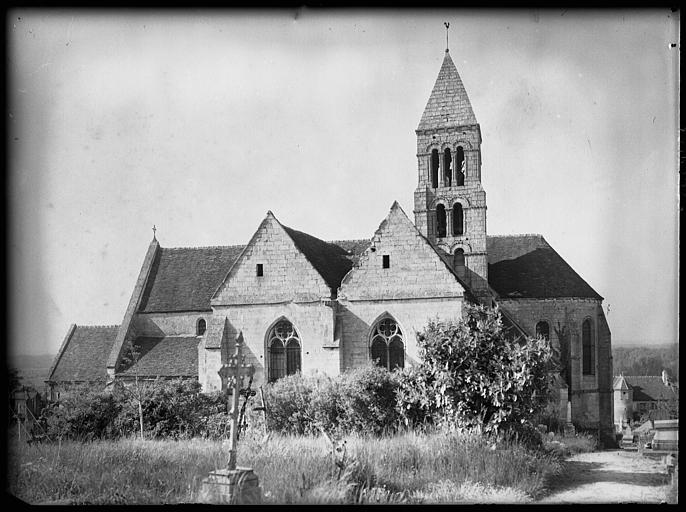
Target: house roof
column 184, row 278
column 526, row 266
column 171, row 356
column 330, row 260
column 448, row 104
column 83, row 356
column 620, row 383
column 648, row 388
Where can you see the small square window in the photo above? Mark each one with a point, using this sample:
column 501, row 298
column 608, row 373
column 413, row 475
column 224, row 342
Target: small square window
column 386, row 261
column 260, row 270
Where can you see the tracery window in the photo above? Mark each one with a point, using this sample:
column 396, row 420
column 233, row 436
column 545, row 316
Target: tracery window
column 588, row 348
column 543, row 329
column 387, row 347
column 440, row 221
column 284, row 353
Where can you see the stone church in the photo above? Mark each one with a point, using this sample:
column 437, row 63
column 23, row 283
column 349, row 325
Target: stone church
column 303, row 303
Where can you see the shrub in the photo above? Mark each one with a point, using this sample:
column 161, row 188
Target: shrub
column 472, row 375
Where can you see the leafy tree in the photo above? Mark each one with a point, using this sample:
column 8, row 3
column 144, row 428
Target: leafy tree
column 473, row 375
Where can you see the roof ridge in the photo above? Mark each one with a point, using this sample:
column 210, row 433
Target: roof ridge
column 515, row 235
column 203, row 247
column 99, row 326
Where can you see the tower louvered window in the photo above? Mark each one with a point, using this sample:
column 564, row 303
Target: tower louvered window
column 434, row 168
column 458, row 220
column 387, row 347
column 440, row 221
column 588, row 348
column 459, row 166
column 284, row 350
column 447, row 170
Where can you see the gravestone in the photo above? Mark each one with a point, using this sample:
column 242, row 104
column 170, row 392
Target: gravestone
column 233, row 484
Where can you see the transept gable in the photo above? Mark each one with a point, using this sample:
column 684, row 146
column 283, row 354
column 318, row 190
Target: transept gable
column 400, row 263
column 272, row 268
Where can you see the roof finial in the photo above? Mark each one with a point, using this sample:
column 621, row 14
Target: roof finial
column 154, row 232
column 447, row 26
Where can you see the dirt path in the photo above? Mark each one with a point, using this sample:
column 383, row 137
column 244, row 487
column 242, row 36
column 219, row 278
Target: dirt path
column 615, row 476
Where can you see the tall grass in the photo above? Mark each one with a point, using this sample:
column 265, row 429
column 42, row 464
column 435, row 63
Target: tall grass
column 406, row 468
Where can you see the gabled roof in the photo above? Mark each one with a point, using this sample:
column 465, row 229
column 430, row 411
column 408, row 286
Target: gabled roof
column 448, row 104
column 330, row 260
column 184, row 278
column 526, row 266
column 172, row 356
column 83, row 355
column 620, row 383
column 648, row 388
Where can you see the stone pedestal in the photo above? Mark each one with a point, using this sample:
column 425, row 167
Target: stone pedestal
column 231, row 486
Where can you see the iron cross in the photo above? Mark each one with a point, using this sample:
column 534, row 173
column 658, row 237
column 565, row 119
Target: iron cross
column 235, row 371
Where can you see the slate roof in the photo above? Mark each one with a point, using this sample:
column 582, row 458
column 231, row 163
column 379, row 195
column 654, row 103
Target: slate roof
column 526, row 266
column 331, row 261
column 448, row 104
column 185, row 278
column 172, row 356
column 83, row 357
column 648, row 388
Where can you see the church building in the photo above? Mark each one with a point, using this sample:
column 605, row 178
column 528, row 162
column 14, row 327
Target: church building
column 307, row 304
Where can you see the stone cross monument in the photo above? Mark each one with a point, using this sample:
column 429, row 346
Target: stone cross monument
column 233, row 484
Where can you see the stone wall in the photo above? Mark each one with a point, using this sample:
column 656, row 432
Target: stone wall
column 314, row 323
column 359, row 317
column 591, row 395
column 169, row 324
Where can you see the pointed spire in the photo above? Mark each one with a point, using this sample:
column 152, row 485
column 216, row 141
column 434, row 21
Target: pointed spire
column 448, row 104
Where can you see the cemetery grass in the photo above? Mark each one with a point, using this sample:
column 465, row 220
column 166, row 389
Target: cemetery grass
column 405, row 468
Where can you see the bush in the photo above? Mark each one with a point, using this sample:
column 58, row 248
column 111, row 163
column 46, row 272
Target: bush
column 361, row 400
column 472, row 375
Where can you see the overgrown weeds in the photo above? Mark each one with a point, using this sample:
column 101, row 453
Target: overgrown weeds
column 406, row 468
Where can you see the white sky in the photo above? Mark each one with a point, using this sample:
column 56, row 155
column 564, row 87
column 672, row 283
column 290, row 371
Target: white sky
column 201, row 121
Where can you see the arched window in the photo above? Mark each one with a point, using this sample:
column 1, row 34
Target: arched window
column 440, row 221
column 387, row 348
column 587, row 348
column 543, row 330
column 434, row 168
column 283, row 347
column 459, row 166
column 458, row 258
column 447, row 171
column 201, row 327
column 458, row 220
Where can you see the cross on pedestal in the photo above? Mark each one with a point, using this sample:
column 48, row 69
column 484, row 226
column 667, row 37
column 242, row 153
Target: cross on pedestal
column 232, row 375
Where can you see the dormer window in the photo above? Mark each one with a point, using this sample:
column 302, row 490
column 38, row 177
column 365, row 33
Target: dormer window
column 386, row 261
column 259, row 270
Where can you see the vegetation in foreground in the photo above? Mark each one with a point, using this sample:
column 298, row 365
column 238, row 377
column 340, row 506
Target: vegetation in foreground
column 404, row 468
column 455, row 428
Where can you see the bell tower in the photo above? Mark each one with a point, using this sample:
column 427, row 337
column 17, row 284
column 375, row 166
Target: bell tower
column 449, row 202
